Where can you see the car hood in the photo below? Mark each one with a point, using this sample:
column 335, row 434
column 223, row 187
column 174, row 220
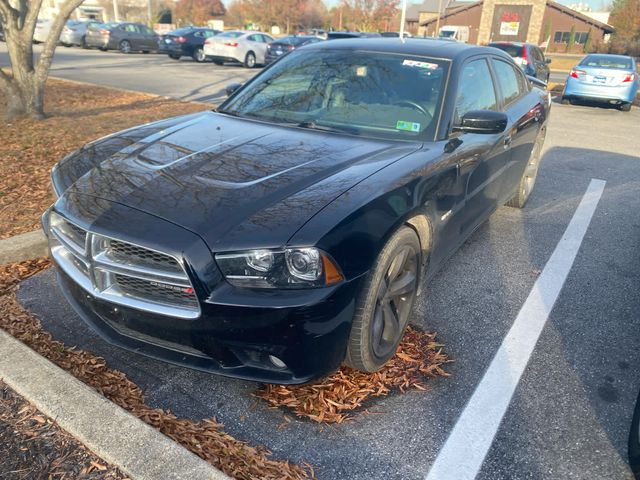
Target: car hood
column 237, row 183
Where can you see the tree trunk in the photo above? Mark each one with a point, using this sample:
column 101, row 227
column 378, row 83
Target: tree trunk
column 24, row 84
column 24, row 89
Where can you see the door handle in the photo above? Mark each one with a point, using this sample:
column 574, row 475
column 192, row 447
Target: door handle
column 507, row 141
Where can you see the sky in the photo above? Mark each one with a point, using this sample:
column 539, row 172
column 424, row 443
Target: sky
column 596, row 5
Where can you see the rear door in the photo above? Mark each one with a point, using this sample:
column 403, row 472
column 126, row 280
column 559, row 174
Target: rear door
column 525, row 114
column 148, row 38
column 132, row 34
column 487, row 156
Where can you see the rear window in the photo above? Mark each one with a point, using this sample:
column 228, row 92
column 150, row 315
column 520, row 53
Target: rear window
column 607, row 61
column 231, row 34
column 182, row 31
column 513, row 50
column 293, row 40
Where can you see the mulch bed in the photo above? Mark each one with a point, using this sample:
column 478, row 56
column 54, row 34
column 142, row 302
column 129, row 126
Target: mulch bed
column 204, row 438
column 77, row 114
column 331, row 400
column 33, row 447
column 336, row 397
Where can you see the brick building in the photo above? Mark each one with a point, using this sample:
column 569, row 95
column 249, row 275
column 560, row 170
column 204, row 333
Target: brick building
column 533, row 21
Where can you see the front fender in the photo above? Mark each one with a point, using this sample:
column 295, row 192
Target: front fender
column 356, row 225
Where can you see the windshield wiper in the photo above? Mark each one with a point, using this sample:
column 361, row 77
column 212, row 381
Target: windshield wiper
column 314, row 126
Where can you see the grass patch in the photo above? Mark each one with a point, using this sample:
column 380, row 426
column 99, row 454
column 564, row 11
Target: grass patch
column 77, row 114
column 563, row 63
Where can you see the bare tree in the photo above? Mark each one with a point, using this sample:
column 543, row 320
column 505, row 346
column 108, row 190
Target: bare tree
column 24, row 84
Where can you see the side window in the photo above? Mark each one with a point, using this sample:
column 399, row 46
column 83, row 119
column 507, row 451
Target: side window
column 199, row 34
column 147, row 30
column 253, row 38
column 130, row 28
column 475, row 89
column 266, row 39
column 510, row 81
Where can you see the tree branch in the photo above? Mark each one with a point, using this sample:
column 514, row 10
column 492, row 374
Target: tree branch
column 9, row 13
column 46, row 57
column 31, row 18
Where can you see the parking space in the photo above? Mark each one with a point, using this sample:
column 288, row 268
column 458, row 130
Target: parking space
column 184, row 79
column 571, row 411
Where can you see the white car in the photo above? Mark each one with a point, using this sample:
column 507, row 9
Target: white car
column 41, row 33
column 246, row 47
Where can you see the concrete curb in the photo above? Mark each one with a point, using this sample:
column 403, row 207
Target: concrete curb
column 113, row 434
column 23, row 247
column 137, row 92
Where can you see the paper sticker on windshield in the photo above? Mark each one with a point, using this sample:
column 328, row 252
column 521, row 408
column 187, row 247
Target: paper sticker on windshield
column 415, row 63
column 408, row 126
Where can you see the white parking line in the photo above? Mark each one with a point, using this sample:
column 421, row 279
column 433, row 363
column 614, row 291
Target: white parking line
column 464, row 451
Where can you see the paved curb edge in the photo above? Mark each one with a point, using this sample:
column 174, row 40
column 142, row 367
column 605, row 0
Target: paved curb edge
column 112, row 433
column 137, row 92
column 23, row 247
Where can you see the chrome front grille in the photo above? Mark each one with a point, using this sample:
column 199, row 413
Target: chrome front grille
column 121, row 272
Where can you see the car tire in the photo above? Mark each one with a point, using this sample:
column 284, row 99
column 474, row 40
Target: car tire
column 83, row 43
column 250, row 60
column 565, row 101
column 381, row 318
column 103, row 49
column 174, row 57
column 199, row 56
column 625, row 107
column 125, row 46
column 528, row 179
column 218, row 62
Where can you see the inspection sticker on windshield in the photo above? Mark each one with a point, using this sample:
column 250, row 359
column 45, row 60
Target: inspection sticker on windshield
column 408, row 126
column 415, row 63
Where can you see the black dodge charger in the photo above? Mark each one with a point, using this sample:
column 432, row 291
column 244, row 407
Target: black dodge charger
column 291, row 229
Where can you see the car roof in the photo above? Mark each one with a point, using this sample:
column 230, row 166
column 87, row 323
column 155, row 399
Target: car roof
column 410, row 46
column 609, row 55
column 515, row 44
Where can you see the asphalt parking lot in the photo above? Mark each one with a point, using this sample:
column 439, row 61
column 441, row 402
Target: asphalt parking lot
column 184, row 79
column 570, row 414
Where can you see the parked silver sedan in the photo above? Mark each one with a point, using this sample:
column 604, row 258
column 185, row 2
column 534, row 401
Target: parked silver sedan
column 74, row 32
column 246, row 47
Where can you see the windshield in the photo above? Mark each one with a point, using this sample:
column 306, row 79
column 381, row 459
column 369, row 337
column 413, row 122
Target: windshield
column 362, row 93
column 606, row 61
column 231, row 34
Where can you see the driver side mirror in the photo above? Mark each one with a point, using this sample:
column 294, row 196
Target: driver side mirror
column 547, row 60
column 231, row 88
column 482, row 121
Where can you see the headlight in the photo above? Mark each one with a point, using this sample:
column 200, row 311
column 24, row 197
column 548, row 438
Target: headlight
column 288, row 268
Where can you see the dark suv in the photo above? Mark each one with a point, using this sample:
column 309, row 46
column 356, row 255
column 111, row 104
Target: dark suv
column 528, row 56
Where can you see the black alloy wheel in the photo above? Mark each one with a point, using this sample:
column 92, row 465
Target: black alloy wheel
column 385, row 303
column 528, row 179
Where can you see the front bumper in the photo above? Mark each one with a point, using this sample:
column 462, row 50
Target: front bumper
column 600, row 93
column 237, row 330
